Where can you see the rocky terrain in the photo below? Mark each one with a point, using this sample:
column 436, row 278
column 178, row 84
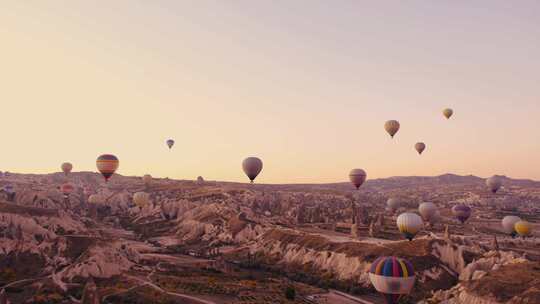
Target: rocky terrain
column 219, row 242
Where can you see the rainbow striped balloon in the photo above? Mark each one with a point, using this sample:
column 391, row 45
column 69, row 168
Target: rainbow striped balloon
column 107, row 165
column 392, row 276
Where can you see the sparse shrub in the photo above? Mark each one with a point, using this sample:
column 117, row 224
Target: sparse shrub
column 290, row 293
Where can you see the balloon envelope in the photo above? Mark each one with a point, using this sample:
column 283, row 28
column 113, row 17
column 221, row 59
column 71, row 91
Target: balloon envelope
column 147, row 179
column 392, row 126
column 508, row 223
column 393, row 203
column 97, row 199
column 494, row 183
column 461, row 212
column 141, row 199
column 420, row 147
column 357, row 177
column 170, row 143
column 67, row 188
column 66, row 168
column 252, row 166
column 107, row 164
column 448, row 113
column 409, row 224
column 523, row 228
column 428, row 211
column 392, row 277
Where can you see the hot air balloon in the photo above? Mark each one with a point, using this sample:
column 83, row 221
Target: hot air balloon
column 393, row 277
column 107, row 165
column 428, row 211
column 170, row 143
column 420, row 147
column 66, row 168
column 409, row 224
column 461, row 212
column 252, row 166
column 448, row 113
column 66, row 189
column 9, row 189
column 523, row 228
column 147, row 179
column 508, row 223
column 494, row 183
column 392, row 126
column 141, row 199
column 393, row 203
column 357, row 177
column 97, row 199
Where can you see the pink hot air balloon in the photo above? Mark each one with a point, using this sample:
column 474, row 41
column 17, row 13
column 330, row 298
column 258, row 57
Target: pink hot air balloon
column 67, row 189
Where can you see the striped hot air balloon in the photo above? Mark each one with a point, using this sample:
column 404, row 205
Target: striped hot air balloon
column 462, row 212
column 409, row 224
column 107, row 165
column 393, row 277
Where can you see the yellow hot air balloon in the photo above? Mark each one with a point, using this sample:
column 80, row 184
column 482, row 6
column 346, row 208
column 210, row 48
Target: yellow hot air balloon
column 141, row 199
column 392, row 126
column 420, row 147
column 448, row 113
column 523, row 228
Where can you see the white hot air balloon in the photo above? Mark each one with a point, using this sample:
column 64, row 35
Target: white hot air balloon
column 392, row 127
column 420, row 147
column 508, row 223
column 428, row 211
column 409, row 224
column 357, row 177
column 494, row 183
column 141, row 199
column 252, row 166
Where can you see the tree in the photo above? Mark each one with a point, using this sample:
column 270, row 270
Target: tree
column 290, row 293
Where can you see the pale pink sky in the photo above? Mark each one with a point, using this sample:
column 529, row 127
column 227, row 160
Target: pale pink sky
column 304, row 85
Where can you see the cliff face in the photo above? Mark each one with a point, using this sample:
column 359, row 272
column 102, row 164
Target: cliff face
column 496, row 277
column 349, row 261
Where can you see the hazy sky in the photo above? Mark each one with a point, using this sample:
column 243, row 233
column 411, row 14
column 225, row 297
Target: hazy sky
column 305, row 85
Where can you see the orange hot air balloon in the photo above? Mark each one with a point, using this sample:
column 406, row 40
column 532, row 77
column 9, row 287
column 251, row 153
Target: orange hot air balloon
column 107, row 164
